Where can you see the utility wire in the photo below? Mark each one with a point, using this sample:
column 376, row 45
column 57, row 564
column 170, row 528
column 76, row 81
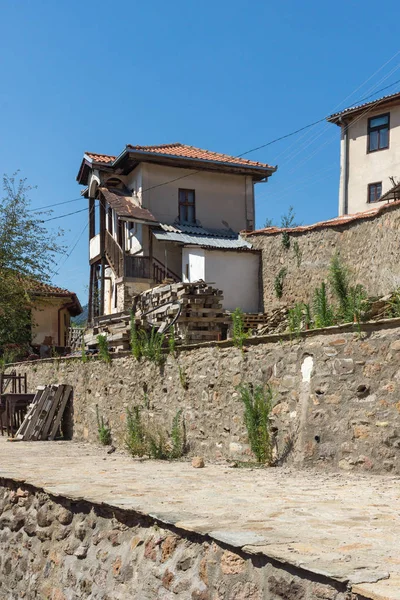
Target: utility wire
column 66, row 215
column 275, row 140
column 57, row 204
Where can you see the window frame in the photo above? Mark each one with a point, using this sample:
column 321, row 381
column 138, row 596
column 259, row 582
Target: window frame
column 185, row 206
column 370, row 185
column 377, row 128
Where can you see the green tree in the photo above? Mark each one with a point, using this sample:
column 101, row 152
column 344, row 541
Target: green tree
column 28, row 253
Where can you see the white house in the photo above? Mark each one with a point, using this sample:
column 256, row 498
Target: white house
column 369, row 153
column 170, row 211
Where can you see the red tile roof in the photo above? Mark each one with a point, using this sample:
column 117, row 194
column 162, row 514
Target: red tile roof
column 183, row 151
column 39, row 288
column 355, row 109
column 337, row 221
column 100, row 158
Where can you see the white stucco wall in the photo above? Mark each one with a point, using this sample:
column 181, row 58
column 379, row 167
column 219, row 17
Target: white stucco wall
column 193, row 264
column 365, row 168
column 218, row 197
column 236, row 273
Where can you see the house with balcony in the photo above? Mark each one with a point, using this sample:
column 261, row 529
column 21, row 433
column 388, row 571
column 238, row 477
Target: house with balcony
column 170, row 212
column 369, row 154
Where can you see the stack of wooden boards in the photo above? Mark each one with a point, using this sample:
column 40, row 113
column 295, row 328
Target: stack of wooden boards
column 44, row 415
column 202, row 317
column 115, row 327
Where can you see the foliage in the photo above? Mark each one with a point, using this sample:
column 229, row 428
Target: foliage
column 151, row 345
column 297, row 252
column 295, row 317
column 323, row 312
column 394, row 304
column 104, row 353
column 183, row 378
column 278, row 283
column 153, row 441
column 239, row 334
column 269, row 223
column 339, row 279
column 135, row 439
column 258, row 402
column 103, row 429
column 288, row 221
column 353, row 300
column 286, row 240
column 27, row 257
column 136, row 348
column 178, row 436
column 11, row 353
column 172, row 341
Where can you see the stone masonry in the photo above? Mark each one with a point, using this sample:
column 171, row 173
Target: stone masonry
column 53, row 548
column 337, row 397
column 370, row 247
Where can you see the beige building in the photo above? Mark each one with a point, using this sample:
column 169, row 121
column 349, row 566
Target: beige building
column 171, row 211
column 369, row 153
column 51, row 312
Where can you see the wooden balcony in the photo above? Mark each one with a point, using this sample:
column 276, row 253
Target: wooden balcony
column 135, row 267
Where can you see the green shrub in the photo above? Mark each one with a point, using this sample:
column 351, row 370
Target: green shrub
column 135, row 438
column 136, row 348
column 152, row 345
column 183, row 378
column 393, row 311
column 178, row 436
column 323, row 312
column 339, row 277
column 297, row 252
column 104, row 430
column 258, row 401
column 296, row 317
column 278, row 283
column 84, row 356
column 104, row 353
column 172, row 342
column 239, row 334
column 149, row 439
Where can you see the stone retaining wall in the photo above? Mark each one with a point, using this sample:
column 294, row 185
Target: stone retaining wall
column 370, row 247
column 57, row 549
column 337, row 397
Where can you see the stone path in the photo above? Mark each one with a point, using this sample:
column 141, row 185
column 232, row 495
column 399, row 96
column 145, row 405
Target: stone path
column 345, row 526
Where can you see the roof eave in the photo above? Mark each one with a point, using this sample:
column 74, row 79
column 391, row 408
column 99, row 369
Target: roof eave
column 138, row 156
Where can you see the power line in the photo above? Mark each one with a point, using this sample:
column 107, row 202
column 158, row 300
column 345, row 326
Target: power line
column 66, row 215
column 57, row 204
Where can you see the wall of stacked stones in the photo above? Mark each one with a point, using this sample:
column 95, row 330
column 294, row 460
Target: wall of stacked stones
column 370, row 247
column 336, row 397
column 56, row 549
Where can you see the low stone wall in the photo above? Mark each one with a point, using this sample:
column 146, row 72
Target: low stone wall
column 337, row 397
column 370, row 247
column 56, row 549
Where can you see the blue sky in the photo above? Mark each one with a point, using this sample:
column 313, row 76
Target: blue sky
column 228, row 76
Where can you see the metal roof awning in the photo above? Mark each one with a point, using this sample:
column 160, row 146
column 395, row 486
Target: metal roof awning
column 194, row 235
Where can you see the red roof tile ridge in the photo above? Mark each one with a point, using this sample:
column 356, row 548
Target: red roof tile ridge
column 343, row 219
column 155, row 146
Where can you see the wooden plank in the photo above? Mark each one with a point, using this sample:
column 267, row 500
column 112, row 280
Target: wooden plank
column 47, row 425
column 22, row 431
column 42, row 413
column 60, row 412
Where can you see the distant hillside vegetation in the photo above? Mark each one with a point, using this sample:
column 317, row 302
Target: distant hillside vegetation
column 81, row 320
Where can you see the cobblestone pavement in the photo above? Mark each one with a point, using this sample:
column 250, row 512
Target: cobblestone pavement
column 346, row 526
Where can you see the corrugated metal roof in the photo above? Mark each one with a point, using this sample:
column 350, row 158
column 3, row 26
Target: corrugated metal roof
column 199, row 236
column 353, row 109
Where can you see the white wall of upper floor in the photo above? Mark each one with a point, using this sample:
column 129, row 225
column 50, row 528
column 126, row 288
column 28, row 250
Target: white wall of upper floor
column 366, row 167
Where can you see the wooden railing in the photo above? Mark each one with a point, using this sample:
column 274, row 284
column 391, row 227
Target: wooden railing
column 75, row 337
column 114, row 254
column 160, row 272
column 137, row 266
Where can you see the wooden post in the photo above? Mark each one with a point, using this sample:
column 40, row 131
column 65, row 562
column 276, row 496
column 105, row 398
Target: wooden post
column 91, row 284
column 102, row 252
